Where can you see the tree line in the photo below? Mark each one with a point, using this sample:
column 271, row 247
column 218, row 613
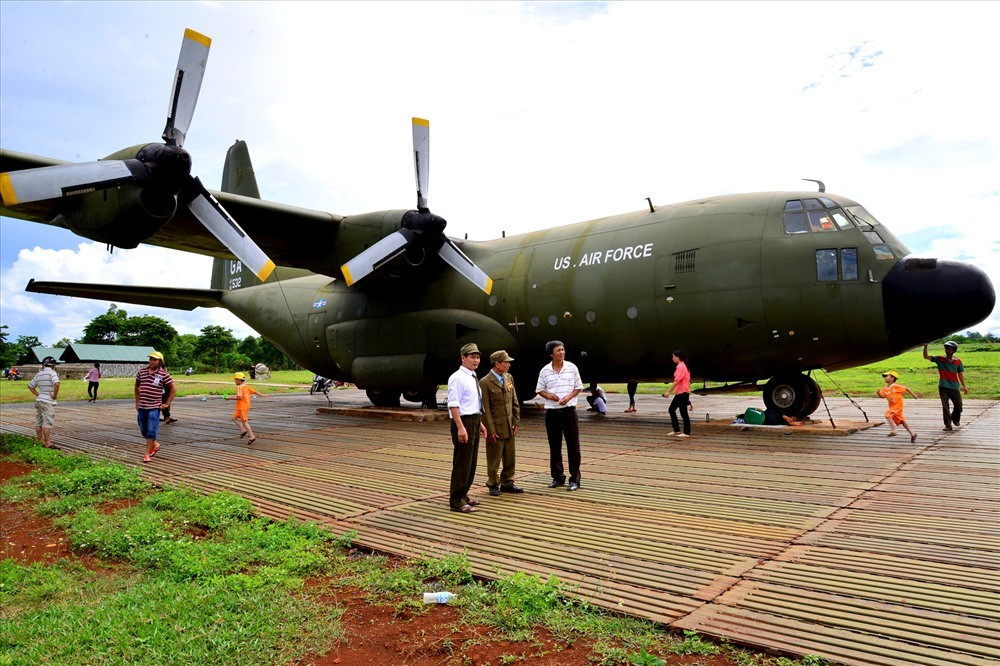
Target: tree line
column 215, row 349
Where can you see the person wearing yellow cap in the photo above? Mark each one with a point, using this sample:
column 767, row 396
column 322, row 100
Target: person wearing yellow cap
column 241, row 416
column 894, row 392
column 154, row 390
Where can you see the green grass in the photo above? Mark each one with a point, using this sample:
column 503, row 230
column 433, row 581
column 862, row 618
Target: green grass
column 123, row 387
column 982, row 375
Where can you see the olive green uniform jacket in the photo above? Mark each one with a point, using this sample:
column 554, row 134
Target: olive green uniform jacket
column 501, row 409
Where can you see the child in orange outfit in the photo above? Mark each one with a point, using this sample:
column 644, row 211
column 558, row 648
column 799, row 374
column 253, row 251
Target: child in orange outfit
column 893, row 392
column 242, row 414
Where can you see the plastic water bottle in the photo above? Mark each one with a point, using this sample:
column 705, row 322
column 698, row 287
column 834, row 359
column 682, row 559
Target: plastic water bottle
column 438, row 597
column 203, row 398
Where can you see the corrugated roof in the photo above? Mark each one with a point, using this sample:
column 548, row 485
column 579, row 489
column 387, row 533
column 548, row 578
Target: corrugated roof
column 38, row 353
column 78, row 353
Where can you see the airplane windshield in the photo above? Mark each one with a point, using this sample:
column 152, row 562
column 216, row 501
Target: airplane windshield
column 862, row 216
column 803, row 216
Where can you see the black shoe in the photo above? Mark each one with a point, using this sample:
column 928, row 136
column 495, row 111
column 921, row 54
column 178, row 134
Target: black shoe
column 573, row 486
column 511, row 489
column 556, row 483
column 494, row 491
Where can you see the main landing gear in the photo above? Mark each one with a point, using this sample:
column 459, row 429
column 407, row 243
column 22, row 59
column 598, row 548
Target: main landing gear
column 792, row 394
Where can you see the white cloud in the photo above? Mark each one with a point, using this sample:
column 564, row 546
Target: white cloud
column 52, row 318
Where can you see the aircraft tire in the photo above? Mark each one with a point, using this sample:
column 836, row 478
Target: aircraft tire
column 383, row 398
column 817, row 397
column 791, row 395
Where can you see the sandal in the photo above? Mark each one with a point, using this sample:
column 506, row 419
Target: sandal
column 243, row 434
column 630, row 410
column 473, row 502
column 154, row 451
column 913, row 438
column 251, row 440
column 146, row 458
column 467, row 508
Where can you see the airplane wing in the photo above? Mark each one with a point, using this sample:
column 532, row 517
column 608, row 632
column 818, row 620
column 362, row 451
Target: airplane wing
column 164, row 297
column 289, row 235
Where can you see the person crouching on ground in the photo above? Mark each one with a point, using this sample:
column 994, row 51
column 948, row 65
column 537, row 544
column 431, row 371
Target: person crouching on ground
column 241, row 416
column 893, row 392
column 150, row 383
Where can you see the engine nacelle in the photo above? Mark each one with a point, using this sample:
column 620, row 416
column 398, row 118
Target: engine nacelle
column 123, row 216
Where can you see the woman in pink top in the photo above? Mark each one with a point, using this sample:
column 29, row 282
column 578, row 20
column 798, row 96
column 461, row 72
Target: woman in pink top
column 94, row 377
column 681, row 389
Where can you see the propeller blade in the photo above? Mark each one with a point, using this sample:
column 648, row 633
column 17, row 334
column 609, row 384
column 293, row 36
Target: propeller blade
column 54, row 182
column 220, row 223
column 381, row 252
column 422, row 159
column 461, row 263
column 187, row 84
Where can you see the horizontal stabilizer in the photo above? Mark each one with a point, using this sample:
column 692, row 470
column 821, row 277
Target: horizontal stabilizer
column 163, row 297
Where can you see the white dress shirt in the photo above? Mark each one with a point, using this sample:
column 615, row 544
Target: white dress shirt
column 463, row 392
column 560, row 383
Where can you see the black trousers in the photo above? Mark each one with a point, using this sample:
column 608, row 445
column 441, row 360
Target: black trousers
column 463, row 461
column 92, row 389
column 681, row 402
column 561, row 423
column 953, row 415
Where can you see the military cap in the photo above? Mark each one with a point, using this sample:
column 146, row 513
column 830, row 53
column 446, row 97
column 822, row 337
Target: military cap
column 500, row 356
column 470, row 348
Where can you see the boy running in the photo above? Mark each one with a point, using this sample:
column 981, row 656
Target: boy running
column 893, row 392
column 242, row 414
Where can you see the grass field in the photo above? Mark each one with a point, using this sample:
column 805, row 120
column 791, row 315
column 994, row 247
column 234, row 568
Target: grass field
column 282, row 381
column 982, row 376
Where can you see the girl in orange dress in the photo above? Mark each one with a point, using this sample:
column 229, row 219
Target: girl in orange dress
column 894, row 392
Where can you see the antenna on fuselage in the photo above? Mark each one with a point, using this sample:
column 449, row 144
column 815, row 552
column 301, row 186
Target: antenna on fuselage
column 650, row 202
column 822, row 187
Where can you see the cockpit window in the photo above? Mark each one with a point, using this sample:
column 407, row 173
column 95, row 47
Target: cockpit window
column 802, row 216
column 862, row 216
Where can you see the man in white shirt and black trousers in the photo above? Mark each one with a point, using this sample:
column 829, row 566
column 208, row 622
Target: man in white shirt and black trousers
column 559, row 383
column 465, row 404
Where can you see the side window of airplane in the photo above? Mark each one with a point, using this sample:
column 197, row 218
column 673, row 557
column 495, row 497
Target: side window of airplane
column 849, row 263
column 826, row 265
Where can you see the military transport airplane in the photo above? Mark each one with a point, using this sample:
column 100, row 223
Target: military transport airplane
column 765, row 286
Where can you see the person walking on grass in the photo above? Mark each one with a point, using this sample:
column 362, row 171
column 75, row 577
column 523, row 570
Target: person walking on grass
column 94, row 378
column 45, row 387
column 894, row 392
column 150, row 384
column 241, row 416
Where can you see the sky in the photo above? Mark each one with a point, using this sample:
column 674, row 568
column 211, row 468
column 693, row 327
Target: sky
column 542, row 114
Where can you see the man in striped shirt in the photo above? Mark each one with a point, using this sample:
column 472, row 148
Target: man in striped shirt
column 559, row 383
column 951, row 374
column 150, row 383
column 45, row 387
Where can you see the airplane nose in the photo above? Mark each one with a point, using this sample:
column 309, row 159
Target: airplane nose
column 925, row 299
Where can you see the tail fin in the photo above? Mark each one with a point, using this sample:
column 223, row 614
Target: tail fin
column 237, row 178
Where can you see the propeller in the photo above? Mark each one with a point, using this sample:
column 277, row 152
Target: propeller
column 161, row 168
column 421, row 229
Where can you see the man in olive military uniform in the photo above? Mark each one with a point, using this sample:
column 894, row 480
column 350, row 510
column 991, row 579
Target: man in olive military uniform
column 502, row 418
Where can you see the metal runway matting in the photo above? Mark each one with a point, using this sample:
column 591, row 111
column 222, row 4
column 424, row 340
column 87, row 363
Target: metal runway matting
column 861, row 549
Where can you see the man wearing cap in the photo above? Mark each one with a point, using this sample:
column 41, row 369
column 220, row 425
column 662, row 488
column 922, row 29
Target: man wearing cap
column 502, row 418
column 150, row 383
column 951, row 375
column 559, row 383
column 45, row 387
column 465, row 406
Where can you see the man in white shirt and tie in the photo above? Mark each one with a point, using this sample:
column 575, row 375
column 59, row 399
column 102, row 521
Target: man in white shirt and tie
column 465, row 405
